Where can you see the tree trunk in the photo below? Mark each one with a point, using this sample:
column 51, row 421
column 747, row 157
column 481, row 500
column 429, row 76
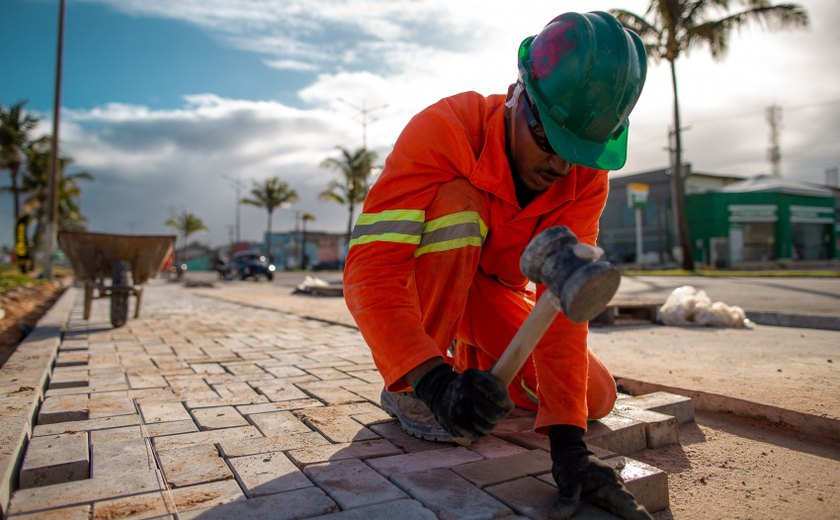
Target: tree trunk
column 303, row 247
column 268, row 240
column 13, row 169
column 679, row 181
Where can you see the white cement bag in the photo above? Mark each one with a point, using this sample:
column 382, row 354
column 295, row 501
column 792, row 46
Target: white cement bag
column 688, row 306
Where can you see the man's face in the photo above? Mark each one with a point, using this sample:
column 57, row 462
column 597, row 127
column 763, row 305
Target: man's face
column 536, row 167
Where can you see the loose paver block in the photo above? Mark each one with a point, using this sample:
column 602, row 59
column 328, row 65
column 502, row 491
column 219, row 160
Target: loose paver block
column 346, row 450
column 63, row 408
column 492, row 471
column 449, row 495
column 401, row 509
column 660, row 429
column 679, row 406
column 648, row 484
column 115, row 454
column 193, row 465
column 53, row 459
column 422, row 461
column 352, row 483
column 527, row 496
column 617, row 434
column 300, row 503
column 268, row 473
column 221, row 417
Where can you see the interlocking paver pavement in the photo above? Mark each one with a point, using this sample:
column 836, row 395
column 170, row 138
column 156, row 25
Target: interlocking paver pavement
column 204, row 408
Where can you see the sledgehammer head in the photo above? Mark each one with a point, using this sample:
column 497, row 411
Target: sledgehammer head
column 580, row 282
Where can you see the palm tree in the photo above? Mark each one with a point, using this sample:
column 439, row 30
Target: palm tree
column 271, row 194
column 35, row 186
column 670, row 28
column 306, row 217
column 355, row 168
column 185, row 224
column 15, row 127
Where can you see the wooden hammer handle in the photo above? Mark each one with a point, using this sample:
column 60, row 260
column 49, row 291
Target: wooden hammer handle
column 525, row 339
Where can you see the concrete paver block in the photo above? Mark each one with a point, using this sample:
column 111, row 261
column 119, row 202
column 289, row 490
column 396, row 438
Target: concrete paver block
column 492, row 471
column 347, row 450
column 294, row 404
column 352, row 483
column 54, row 459
column 169, row 428
column 68, row 378
column 450, row 496
column 402, row 509
column 114, row 458
column 617, row 434
column 283, row 442
column 193, row 465
column 183, row 440
column 331, row 392
column 334, row 423
column 660, row 429
column 392, row 431
column 423, row 461
column 108, row 404
column 87, row 425
column 300, row 503
column 221, row 417
column 163, row 412
column 268, row 473
column 279, row 390
column 273, row 424
column 679, row 406
column 527, row 496
column 212, row 494
column 648, row 484
column 147, row 505
column 65, row 513
column 491, row 447
column 63, row 408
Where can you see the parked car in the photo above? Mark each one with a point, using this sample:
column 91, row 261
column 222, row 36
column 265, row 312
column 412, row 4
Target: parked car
column 252, row 264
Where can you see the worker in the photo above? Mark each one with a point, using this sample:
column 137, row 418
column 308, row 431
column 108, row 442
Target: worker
column 432, row 275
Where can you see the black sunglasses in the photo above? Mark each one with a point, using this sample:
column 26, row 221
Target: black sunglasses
column 535, row 125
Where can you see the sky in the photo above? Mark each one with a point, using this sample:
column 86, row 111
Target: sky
column 182, row 105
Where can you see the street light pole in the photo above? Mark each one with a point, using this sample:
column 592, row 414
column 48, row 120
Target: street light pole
column 237, row 183
column 365, row 117
column 52, row 186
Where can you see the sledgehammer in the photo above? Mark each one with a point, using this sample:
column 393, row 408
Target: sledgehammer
column 579, row 284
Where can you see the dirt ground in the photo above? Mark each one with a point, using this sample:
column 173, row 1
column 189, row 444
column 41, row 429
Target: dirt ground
column 725, row 467
column 23, row 307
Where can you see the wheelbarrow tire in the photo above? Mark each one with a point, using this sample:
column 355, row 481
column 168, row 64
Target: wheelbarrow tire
column 120, row 294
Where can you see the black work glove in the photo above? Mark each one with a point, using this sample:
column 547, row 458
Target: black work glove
column 579, row 474
column 466, row 405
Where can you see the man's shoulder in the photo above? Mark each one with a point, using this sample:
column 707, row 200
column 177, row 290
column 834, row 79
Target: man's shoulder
column 470, row 105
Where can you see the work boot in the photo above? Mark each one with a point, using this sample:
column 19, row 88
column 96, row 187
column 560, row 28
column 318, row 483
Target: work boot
column 415, row 417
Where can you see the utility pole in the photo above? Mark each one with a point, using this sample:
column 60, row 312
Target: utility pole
column 774, row 152
column 237, row 183
column 365, row 116
column 53, row 183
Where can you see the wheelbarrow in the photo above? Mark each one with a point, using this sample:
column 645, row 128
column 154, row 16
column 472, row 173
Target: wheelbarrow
column 128, row 260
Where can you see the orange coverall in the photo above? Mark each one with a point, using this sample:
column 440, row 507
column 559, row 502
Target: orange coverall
column 435, row 257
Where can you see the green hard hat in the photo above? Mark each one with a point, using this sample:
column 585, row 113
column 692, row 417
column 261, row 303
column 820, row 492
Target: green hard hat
column 584, row 73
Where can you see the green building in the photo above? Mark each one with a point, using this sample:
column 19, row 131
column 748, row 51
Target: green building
column 763, row 219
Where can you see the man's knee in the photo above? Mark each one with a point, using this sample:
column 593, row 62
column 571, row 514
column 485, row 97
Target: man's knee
column 602, row 402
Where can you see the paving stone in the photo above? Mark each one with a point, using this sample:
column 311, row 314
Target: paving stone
column 221, row 417
column 68, row 378
column 138, row 381
column 450, row 496
column 492, row 471
column 422, row 461
column 276, row 390
column 283, row 371
column 491, row 447
column 660, row 429
column 183, row 440
column 147, row 505
column 335, row 424
column 679, row 406
column 169, row 428
column 117, row 452
column 294, row 404
column 352, row 483
column 272, row 424
column 648, row 484
column 514, row 424
column 348, row 450
column 300, row 503
column 393, row 432
column 108, row 404
column 268, row 473
column 88, row 425
column 63, row 408
column 209, row 402
column 617, row 434
column 54, row 459
column 163, row 412
column 193, row 465
column 283, row 442
column 402, row 509
column 208, row 368
column 331, row 392
column 527, row 496
column 212, row 494
column 65, row 513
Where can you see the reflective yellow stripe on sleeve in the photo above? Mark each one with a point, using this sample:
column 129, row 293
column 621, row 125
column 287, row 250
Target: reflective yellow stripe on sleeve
column 402, row 226
column 462, row 229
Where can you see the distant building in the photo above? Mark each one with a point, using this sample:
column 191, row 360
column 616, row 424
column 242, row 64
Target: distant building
column 321, row 248
column 659, row 228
